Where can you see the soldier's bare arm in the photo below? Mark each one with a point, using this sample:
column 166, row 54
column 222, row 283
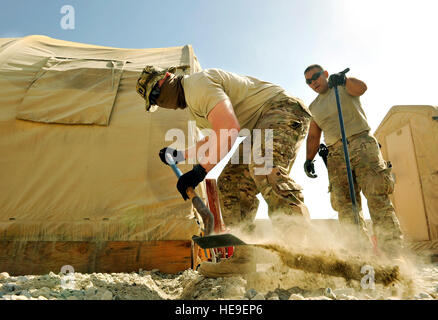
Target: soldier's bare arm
column 313, row 139
column 355, row 87
column 221, row 117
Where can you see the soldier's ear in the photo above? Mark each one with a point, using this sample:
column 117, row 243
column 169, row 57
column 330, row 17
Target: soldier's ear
column 326, row 74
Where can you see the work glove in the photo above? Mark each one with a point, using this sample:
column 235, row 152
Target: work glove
column 337, row 79
column 323, row 152
column 176, row 155
column 309, row 169
column 190, row 179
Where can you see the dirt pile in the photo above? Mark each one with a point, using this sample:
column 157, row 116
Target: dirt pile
column 330, row 264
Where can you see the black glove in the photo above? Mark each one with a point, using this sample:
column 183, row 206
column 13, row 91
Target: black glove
column 337, row 79
column 176, row 155
column 309, row 169
column 190, row 179
column 323, row 152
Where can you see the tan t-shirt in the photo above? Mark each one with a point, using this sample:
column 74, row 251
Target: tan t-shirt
column 204, row 90
column 325, row 113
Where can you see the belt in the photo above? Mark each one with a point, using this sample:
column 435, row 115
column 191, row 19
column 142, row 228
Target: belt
column 350, row 138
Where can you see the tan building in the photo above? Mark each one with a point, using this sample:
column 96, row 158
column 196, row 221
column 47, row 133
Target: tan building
column 409, row 139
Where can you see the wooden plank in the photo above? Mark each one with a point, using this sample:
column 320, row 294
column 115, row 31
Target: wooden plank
column 41, row 257
column 167, row 256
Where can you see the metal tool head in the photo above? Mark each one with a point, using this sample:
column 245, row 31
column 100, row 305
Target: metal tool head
column 218, row 241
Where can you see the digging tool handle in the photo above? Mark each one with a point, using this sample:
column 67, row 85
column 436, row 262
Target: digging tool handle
column 204, row 212
column 347, row 157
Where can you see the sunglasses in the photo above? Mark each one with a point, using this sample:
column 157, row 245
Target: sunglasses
column 155, row 93
column 314, row 77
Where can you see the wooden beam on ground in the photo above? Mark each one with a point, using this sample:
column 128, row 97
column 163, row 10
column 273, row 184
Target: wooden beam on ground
column 41, row 257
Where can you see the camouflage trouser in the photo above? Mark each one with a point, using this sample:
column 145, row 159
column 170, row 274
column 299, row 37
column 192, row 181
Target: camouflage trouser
column 372, row 176
column 239, row 184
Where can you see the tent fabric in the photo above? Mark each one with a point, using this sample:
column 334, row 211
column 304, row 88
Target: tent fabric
column 409, row 138
column 89, row 88
column 86, row 166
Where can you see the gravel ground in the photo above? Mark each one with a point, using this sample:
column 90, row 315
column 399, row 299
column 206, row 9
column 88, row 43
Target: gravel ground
column 190, row 285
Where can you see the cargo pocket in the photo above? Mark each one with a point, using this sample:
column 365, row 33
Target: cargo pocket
column 380, row 181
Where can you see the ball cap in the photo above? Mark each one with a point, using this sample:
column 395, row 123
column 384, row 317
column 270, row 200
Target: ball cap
column 148, row 78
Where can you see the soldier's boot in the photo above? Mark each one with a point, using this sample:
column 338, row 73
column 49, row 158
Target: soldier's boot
column 241, row 262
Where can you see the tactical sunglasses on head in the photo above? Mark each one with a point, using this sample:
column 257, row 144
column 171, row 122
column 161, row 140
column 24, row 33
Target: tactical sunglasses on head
column 314, row 77
column 155, row 93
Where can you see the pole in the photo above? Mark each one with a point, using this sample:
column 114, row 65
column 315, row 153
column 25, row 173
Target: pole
column 347, row 157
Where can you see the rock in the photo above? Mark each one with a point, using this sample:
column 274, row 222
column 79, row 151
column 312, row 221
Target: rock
column 66, row 293
column 423, row 295
column 42, row 298
column 88, row 285
column 90, row 292
column 155, row 270
column 329, row 293
column 10, row 287
column 259, row 296
column 282, row 294
column 295, row 296
column 314, row 293
column 55, row 295
column 53, row 275
column 107, row 295
column 22, row 279
column 45, row 277
column 4, row 276
column 273, row 297
column 72, row 298
column 19, row 297
column 45, row 292
column 345, row 291
column 25, row 293
column 251, row 293
column 297, row 290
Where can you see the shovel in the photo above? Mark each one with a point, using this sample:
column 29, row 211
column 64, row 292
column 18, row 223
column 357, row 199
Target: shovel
column 204, row 212
column 218, row 241
column 207, row 241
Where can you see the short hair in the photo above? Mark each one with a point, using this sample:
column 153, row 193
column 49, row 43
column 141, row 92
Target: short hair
column 312, row 67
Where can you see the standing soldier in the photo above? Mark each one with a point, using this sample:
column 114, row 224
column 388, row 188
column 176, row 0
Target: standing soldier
column 371, row 173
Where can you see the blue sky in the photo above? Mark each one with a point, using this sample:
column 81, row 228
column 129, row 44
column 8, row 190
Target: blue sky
column 389, row 44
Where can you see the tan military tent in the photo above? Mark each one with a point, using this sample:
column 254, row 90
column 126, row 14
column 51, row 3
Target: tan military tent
column 81, row 181
column 409, row 139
